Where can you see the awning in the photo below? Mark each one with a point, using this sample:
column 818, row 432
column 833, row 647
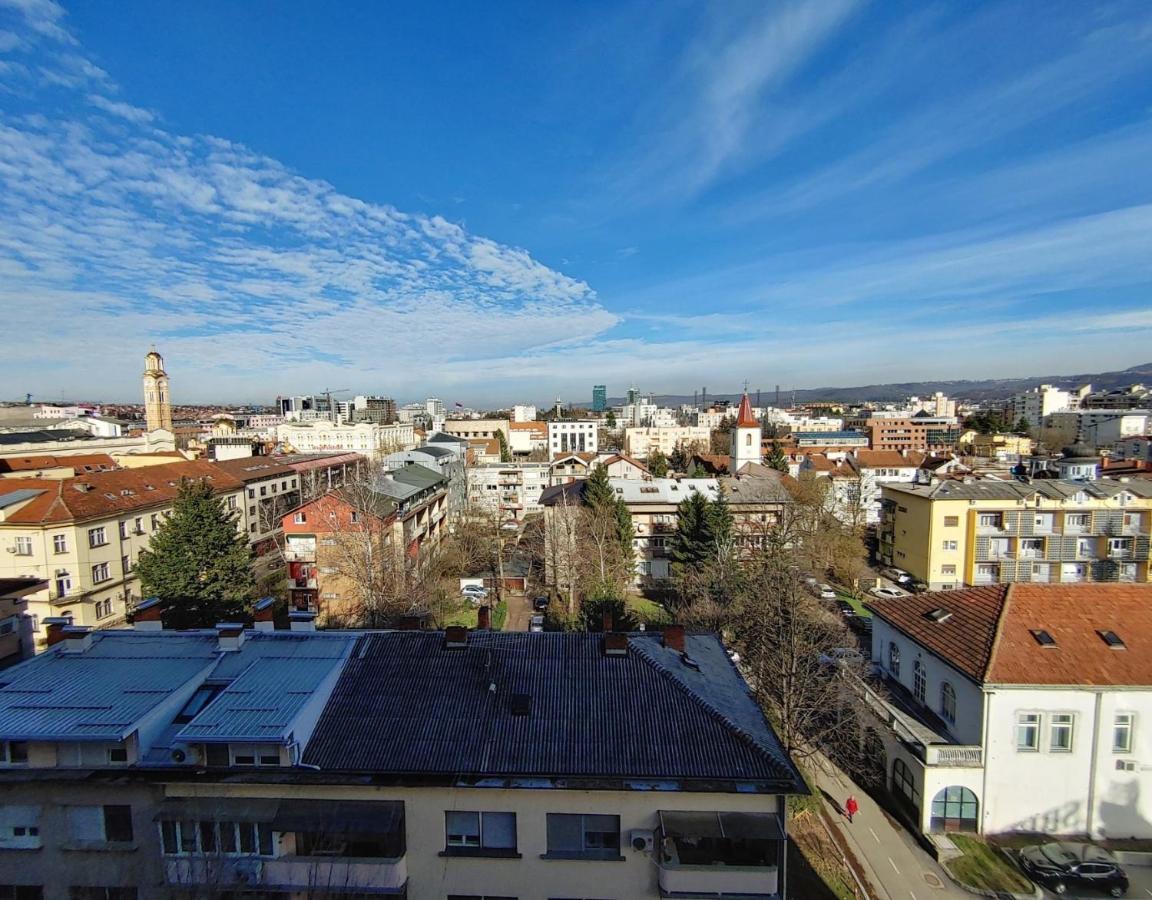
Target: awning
column 340, row 816
column 731, row 825
column 217, row 809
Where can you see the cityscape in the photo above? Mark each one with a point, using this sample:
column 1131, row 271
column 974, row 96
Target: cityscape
column 711, row 497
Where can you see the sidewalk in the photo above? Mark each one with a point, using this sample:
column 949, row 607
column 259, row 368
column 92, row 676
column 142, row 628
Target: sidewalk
column 896, row 865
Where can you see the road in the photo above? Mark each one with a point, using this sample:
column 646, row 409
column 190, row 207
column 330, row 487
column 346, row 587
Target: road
column 897, row 867
column 519, row 611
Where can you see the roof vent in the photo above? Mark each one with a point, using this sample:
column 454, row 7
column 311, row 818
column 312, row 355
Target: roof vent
column 1042, row 637
column 1112, row 639
column 302, row 620
column 231, row 635
column 521, row 704
column 455, row 637
column 77, row 639
column 615, row 644
column 938, row 615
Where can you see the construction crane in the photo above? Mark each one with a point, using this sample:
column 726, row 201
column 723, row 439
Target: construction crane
column 328, row 392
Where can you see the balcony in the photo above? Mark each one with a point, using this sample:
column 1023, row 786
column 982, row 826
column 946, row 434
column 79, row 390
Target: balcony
column 300, row 555
column 342, row 873
column 719, row 854
column 954, row 755
column 304, row 583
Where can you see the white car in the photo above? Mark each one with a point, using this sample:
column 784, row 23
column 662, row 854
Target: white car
column 474, row 590
column 826, row 592
column 887, row 593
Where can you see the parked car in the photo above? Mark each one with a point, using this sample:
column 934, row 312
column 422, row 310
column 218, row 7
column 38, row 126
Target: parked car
column 842, row 656
column 540, row 603
column 887, row 593
column 1061, row 865
column 897, row 575
column 510, row 525
column 826, row 592
column 847, row 610
column 474, row 591
column 536, row 623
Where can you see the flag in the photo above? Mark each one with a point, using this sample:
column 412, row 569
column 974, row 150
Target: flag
column 459, row 404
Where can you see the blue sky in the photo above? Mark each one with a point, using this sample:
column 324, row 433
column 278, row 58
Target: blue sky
column 500, row 202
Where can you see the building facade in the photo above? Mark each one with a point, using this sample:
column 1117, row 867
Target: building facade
column 573, row 437
column 511, row 490
column 371, row 440
column 157, row 399
column 599, row 398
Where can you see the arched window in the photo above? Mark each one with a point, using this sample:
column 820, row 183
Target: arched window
column 894, row 659
column 948, row 702
column 954, row 809
column 748, row 439
column 919, row 680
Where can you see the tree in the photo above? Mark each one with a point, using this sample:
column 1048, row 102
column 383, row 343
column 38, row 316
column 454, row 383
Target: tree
column 657, row 464
column 776, row 458
column 721, row 440
column 679, row 459
column 505, row 453
column 610, row 420
column 198, row 562
column 1023, row 426
column 609, row 531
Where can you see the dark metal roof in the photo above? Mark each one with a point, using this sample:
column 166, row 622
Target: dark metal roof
column 406, row 705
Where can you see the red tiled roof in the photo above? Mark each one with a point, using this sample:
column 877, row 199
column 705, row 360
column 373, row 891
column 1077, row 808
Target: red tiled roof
column 989, row 636
column 886, row 459
column 254, row 468
column 36, row 463
column 623, row 457
column 744, row 418
column 101, row 494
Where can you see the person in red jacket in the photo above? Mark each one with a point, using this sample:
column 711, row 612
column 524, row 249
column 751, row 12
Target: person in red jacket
column 851, row 807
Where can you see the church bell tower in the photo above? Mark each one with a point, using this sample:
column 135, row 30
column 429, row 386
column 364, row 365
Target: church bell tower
column 157, row 400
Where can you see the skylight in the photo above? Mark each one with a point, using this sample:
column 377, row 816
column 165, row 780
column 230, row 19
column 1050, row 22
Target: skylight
column 938, row 615
column 1043, row 638
column 1112, row 639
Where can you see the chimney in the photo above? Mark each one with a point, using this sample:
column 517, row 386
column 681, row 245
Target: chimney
column 302, row 620
column 54, row 626
column 231, row 635
column 77, row 639
column 148, row 615
column 615, row 643
column 606, row 621
column 409, row 623
column 674, row 637
column 483, row 618
column 455, row 637
column 262, row 614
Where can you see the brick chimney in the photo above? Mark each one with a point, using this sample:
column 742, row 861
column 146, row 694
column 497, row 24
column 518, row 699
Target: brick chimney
column 409, row 623
column 77, row 639
column 674, row 637
column 483, row 618
column 302, row 620
column 231, row 635
column 54, row 627
column 455, row 637
column 606, row 621
column 149, row 615
column 615, row 643
column 262, row 614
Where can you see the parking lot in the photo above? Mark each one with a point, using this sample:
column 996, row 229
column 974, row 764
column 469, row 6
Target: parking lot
column 1140, row 885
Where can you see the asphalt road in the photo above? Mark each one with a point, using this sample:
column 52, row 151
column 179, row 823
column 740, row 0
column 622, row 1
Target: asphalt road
column 519, row 611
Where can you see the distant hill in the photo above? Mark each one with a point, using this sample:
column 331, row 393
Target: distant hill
column 989, row 389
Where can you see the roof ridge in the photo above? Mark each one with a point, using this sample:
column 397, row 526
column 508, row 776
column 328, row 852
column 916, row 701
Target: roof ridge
column 708, row 707
column 997, row 631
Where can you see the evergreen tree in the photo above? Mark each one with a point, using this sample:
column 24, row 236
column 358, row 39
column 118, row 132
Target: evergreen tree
column 692, row 543
column 1023, row 426
column 505, row 453
column 609, row 419
column 678, row 460
column 776, row 458
column 604, row 501
column 720, row 523
column 197, row 561
column 657, row 464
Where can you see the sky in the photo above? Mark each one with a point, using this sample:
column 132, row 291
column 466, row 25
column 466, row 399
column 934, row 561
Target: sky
column 498, row 203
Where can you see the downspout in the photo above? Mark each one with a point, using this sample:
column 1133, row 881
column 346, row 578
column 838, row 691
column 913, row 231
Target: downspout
column 988, row 695
column 1092, row 766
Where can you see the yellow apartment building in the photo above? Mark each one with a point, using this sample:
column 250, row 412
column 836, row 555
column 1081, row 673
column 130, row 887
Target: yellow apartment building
column 954, row 533
column 83, row 534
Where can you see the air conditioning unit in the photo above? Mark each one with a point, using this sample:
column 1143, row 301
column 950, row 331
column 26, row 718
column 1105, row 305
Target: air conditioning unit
column 10, row 549
column 185, row 754
column 642, row 840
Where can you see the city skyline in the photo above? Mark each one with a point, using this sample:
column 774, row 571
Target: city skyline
column 680, row 196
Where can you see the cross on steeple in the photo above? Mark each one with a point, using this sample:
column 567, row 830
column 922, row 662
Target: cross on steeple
column 745, row 385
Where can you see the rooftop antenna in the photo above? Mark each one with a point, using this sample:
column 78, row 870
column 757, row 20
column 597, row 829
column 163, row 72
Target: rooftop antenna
column 777, row 396
column 758, row 398
column 704, row 396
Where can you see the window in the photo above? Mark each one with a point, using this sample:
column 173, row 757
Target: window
column 479, row 833
column 919, row 680
column 97, row 537
column 299, row 518
column 894, row 659
column 904, row 783
column 583, row 836
column 102, row 893
column 948, row 570
column 949, row 545
column 1122, row 732
column 103, row 608
column 1060, row 733
column 226, row 838
column 255, row 755
column 23, row 546
column 251, row 493
column 21, row 892
column 138, row 525
column 19, row 828
column 989, row 520
column 59, row 543
column 123, row 531
column 951, row 521
column 1028, row 731
column 100, row 824
column 354, row 517
column 954, row 809
column 125, row 564
column 63, row 584
column 13, row 753
column 231, row 502
column 948, row 702
column 101, row 572
column 263, row 492
column 154, row 520
column 1076, row 520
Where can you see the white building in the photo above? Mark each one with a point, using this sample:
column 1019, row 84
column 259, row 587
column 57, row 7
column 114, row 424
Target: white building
column 523, row 413
column 572, row 437
column 936, row 405
column 1040, row 402
column 512, row 489
column 639, row 442
column 367, row 438
column 1101, row 427
column 434, row 408
column 745, row 444
column 1018, row 708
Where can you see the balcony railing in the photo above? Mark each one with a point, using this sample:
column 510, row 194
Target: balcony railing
column 308, row 873
column 309, row 583
column 954, row 755
column 300, row 555
column 718, row 880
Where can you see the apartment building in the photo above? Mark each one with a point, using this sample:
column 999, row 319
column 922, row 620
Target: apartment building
column 82, row 535
column 1037, row 404
column 1017, row 708
column 640, row 442
column 1135, row 449
column 857, row 478
column 956, row 533
column 1100, row 427
column 903, row 433
column 17, row 641
column 527, row 438
column 581, row 436
column 367, row 438
column 511, row 490
column 478, row 428
column 534, row 785
column 271, row 488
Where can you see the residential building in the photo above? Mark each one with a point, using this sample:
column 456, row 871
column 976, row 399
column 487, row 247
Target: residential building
column 888, row 431
column 620, row 465
column 1136, row 449
column 599, row 398
column 568, row 467
column 535, row 784
column 568, row 436
column 374, row 441
column 488, row 429
column 512, row 490
column 1003, row 447
column 1017, row 708
column 936, row 405
column 857, row 477
column 421, row 498
column 1134, row 396
column 951, row 533
column 523, row 414
column 49, row 466
column 528, row 438
column 307, row 408
column 640, row 442
column 271, row 488
column 17, row 641
column 321, row 472
column 82, row 535
column 381, row 410
column 1100, row 427
column 434, row 408
column 1037, row 404
column 744, row 439
column 441, row 458
column 157, row 399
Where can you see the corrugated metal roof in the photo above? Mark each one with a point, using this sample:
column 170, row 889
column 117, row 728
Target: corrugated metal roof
column 14, row 497
column 406, row 705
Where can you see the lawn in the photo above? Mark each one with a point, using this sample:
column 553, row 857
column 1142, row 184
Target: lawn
column 465, row 614
column 648, row 611
column 857, row 605
column 985, row 867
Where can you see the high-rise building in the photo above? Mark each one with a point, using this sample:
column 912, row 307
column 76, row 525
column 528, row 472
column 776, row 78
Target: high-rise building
column 157, row 400
column 599, row 398
column 633, row 395
column 434, row 407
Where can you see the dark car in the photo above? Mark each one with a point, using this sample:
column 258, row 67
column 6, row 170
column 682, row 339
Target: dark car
column 846, row 609
column 540, row 604
column 1061, row 865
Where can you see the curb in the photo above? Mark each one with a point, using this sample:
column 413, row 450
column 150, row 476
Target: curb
column 1037, row 893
